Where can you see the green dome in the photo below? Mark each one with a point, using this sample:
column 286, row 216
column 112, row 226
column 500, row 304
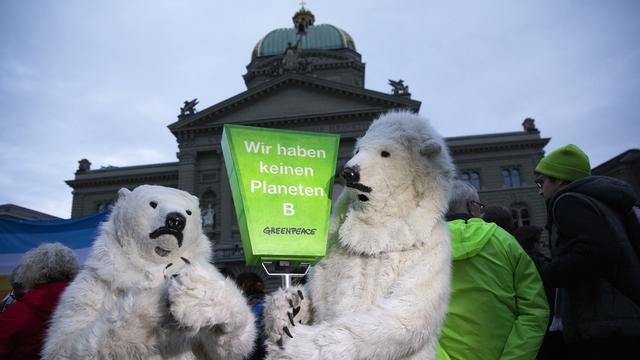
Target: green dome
column 323, row 36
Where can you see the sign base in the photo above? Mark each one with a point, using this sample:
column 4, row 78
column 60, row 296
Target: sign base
column 286, row 269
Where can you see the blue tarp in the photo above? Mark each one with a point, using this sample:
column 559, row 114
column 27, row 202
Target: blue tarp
column 18, row 237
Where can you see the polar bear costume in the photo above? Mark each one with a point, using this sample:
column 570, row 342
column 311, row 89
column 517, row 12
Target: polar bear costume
column 148, row 290
column 383, row 288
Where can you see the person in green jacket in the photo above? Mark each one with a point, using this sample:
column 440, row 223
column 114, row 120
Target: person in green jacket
column 498, row 308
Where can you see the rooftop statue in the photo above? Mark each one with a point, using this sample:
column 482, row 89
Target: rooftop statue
column 399, row 88
column 189, row 107
column 290, row 58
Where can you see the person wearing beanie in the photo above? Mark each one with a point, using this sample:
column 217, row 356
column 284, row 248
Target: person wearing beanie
column 560, row 167
column 594, row 268
column 567, row 163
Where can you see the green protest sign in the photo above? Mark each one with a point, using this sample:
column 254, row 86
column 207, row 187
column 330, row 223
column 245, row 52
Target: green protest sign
column 281, row 183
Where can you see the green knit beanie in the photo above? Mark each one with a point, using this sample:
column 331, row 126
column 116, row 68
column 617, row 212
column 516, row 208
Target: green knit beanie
column 566, row 163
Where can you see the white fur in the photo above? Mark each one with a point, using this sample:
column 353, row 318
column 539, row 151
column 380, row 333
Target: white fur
column 383, row 288
column 127, row 303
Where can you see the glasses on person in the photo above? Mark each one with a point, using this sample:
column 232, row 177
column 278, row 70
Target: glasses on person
column 539, row 182
column 478, row 204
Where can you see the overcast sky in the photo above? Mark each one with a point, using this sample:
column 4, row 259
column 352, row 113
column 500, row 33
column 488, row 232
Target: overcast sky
column 102, row 79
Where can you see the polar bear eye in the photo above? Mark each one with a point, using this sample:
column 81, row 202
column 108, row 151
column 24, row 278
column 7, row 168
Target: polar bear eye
column 189, row 212
column 385, row 154
column 153, row 204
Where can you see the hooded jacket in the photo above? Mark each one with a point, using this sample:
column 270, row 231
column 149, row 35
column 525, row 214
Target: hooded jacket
column 594, row 266
column 23, row 324
column 498, row 309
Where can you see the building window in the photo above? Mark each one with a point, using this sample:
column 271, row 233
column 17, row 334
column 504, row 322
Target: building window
column 506, row 178
column 104, row 205
column 472, row 177
column 475, row 180
column 208, row 177
column 511, row 178
column 520, row 215
column 515, row 177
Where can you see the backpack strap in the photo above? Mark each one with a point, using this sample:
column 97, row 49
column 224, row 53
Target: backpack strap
column 616, row 223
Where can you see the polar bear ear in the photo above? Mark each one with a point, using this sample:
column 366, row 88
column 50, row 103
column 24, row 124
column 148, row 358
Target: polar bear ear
column 122, row 193
column 430, row 148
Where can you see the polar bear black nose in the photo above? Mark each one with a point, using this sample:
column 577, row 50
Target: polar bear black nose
column 175, row 221
column 351, row 175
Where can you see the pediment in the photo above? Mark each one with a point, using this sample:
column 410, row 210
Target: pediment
column 292, row 98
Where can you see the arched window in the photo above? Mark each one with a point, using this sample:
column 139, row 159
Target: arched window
column 515, row 177
column 472, row 177
column 511, row 177
column 207, row 197
column 475, row 180
column 506, row 178
column 520, row 215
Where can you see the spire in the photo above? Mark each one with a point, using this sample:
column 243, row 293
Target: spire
column 303, row 19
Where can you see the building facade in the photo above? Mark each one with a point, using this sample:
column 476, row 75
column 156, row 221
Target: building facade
column 309, row 78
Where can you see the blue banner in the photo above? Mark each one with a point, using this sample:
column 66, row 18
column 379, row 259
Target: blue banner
column 18, row 237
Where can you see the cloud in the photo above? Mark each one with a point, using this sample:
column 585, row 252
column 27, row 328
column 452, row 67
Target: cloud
column 103, row 80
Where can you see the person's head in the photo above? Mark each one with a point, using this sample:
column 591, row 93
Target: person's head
column 464, row 199
column 499, row 215
column 560, row 167
column 251, row 284
column 529, row 237
column 47, row 263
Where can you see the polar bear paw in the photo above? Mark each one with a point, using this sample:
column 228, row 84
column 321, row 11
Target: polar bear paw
column 196, row 297
column 283, row 310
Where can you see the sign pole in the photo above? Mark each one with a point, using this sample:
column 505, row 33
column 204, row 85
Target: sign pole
column 286, row 281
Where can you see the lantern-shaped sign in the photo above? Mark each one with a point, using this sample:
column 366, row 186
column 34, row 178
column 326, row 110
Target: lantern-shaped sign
column 281, row 182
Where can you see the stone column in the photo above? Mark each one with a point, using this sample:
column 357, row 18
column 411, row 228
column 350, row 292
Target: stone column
column 76, row 206
column 187, row 170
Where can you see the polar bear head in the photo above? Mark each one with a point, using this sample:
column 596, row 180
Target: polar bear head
column 157, row 224
column 400, row 163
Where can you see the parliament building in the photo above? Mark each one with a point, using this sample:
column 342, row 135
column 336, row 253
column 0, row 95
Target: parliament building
column 309, row 77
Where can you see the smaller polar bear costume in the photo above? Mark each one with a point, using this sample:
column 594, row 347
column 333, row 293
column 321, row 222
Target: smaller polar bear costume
column 148, row 290
column 383, row 288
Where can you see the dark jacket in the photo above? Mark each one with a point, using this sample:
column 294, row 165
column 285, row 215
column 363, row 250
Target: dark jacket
column 23, row 325
column 594, row 266
column 538, row 258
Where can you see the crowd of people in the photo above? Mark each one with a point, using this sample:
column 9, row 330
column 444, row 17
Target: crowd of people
column 510, row 299
column 513, row 301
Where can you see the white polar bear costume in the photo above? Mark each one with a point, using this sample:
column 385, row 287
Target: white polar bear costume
column 148, row 290
column 383, row 288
